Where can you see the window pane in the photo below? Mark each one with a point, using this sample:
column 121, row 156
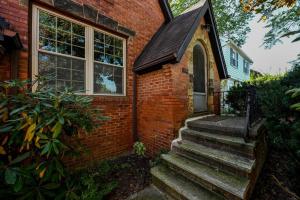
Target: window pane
column 108, row 79
column 63, row 62
column 47, row 65
column 64, row 37
column 78, row 52
column 47, row 19
column 99, row 37
column 64, row 48
column 119, row 43
column 47, row 32
column 99, row 57
column 78, row 41
column 78, row 30
column 64, row 25
column 109, row 40
column 66, row 72
column 47, row 44
column 99, row 47
column 119, row 52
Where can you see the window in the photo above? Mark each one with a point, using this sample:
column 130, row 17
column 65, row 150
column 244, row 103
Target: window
column 108, row 64
column 234, row 58
column 246, row 67
column 78, row 56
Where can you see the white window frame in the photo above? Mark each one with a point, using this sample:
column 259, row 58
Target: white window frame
column 89, row 52
column 234, row 61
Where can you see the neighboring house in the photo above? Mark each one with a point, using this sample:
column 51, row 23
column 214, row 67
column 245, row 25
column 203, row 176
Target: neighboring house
column 238, row 65
column 147, row 70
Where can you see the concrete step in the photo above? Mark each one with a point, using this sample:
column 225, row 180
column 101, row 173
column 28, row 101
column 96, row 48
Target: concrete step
column 230, row 127
column 231, row 144
column 215, row 158
column 178, row 187
column 227, row 185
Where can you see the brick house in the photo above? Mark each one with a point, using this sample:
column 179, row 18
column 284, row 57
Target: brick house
column 146, row 69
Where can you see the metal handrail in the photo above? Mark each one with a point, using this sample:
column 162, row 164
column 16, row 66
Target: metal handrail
column 251, row 110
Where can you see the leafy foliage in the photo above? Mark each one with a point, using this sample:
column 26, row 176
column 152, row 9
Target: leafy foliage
column 282, row 18
column 232, row 21
column 278, row 107
column 295, row 93
column 36, row 134
column 139, row 149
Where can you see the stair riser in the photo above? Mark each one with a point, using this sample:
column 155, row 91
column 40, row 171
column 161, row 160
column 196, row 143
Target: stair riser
column 167, row 189
column 216, row 130
column 232, row 148
column 211, row 162
column 203, row 183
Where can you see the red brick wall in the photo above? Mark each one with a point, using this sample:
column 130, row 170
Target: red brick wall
column 164, row 97
column 143, row 17
column 16, row 13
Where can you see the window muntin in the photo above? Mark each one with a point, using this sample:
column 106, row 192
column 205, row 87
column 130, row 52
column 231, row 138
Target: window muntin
column 69, row 51
column 108, row 64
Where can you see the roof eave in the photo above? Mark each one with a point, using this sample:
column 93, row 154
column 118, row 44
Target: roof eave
column 158, row 62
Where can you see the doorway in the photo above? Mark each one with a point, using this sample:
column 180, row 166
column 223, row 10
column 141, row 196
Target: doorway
column 200, row 79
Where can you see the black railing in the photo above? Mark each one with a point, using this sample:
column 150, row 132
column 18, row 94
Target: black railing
column 241, row 103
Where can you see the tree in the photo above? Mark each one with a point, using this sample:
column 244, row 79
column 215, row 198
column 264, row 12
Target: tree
column 282, row 17
column 232, row 21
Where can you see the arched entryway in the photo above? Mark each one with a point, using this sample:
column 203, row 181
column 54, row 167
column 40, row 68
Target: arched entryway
column 200, row 78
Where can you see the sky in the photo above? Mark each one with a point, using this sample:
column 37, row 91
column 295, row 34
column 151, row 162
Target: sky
column 273, row 61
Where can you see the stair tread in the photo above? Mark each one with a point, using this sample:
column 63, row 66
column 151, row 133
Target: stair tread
column 183, row 186
column 219, row 155
column 229, row 122
column 233, row 126
column 230, row 183
column 221, row 138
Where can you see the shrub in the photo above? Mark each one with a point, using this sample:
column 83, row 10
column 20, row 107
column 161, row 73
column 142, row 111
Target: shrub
column 139, row 149
column 35, row 132
column 278, row 107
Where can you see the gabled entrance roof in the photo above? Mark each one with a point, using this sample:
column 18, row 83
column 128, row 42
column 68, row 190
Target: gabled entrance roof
column 169, row 44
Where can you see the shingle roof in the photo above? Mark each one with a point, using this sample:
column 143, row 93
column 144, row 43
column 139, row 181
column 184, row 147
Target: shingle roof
column 169, row 44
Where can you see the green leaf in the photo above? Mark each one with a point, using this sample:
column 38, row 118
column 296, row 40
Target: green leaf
column 6, row 129
column 55, row 148
column 61, row 119
column 56, row 130
column 10, row 176
column 51, row 186
column 20, row 158
column 17, row 110
column 19, row 185
column 45, row 149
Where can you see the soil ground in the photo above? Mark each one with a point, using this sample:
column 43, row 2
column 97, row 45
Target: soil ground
column 132, row 175
column 279, row 179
